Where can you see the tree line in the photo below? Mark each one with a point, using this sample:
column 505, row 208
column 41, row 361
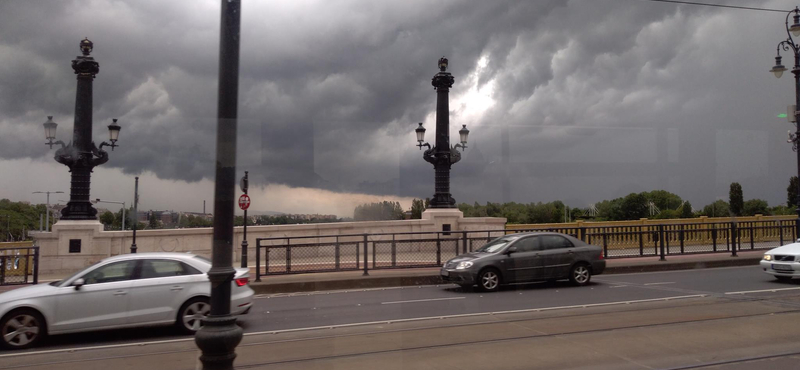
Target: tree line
column 656, row 204
column 17, row 218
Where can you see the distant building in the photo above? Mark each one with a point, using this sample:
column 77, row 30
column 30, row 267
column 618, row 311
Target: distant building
column 206, row 216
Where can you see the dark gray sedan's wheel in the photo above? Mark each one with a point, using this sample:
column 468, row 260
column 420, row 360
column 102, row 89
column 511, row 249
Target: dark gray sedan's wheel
column 489, row 280
column 580, row 274
column 192, row 313
column 22, row 329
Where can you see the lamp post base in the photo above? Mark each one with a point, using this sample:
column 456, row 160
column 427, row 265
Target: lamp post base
column 217, row 339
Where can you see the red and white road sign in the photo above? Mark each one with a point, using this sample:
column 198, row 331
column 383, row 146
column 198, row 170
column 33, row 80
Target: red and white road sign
column 244, row 202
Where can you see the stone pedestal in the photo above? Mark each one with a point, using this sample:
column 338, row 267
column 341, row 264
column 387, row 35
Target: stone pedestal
column 443, row 218
column 71, row 246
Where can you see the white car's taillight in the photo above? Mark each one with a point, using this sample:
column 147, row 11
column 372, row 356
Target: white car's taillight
column 241, row 281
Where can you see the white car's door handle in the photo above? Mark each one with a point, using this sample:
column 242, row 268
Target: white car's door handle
column 120, row 292
column 176, row 288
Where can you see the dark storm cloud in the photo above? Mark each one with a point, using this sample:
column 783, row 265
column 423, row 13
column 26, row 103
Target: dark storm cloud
column 331, row 91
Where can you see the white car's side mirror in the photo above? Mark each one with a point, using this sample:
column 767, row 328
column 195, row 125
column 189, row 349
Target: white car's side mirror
column 78, row 284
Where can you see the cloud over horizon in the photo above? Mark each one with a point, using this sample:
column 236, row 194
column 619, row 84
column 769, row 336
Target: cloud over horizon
column 565, row 99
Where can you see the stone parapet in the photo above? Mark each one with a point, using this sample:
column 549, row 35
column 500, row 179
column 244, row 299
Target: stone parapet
column 96, row 244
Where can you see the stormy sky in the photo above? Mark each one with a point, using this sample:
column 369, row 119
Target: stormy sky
column 577, row 100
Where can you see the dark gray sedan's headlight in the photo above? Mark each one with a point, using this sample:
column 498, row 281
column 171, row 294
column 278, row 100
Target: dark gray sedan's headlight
column 464, row 265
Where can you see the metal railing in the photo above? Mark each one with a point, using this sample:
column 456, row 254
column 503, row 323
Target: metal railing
column 354, row 252
column 19, row 265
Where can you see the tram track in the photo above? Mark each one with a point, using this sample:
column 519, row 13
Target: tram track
column 409, row 331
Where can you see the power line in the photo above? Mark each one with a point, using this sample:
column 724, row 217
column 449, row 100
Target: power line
column 720, row 5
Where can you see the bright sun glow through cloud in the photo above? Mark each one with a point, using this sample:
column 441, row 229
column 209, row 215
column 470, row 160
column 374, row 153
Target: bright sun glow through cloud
column 470, row 106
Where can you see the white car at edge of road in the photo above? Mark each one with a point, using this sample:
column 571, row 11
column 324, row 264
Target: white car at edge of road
column 782, row 262
column 130, row 290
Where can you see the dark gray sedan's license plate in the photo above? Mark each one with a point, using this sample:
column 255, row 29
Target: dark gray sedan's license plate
column 782, row 267
column 445, row 273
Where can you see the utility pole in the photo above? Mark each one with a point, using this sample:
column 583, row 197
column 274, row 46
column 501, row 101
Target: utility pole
column 219, row 335
column 244, row 185
column 135, row 214
column 47, row 221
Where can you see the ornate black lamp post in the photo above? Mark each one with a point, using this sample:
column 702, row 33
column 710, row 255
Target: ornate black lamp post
column 778, row 69
column 81, row 155
column 442, row 156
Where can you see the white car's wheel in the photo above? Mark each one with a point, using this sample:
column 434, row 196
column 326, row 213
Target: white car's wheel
column 192, row 313
column 22, row 329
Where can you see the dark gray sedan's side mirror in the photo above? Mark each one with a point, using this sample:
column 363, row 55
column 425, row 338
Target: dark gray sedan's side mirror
column 78, row 284
column 511, row 249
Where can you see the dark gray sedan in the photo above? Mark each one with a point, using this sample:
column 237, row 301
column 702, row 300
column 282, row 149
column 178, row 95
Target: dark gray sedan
column 526, row 257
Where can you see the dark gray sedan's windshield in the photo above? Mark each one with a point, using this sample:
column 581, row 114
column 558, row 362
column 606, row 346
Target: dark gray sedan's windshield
column 497, row 244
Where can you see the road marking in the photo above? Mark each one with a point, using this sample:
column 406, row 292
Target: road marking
column 668, row 282
column 619, row 286
column 676, row 271
column 97, row 347
column 33, row 353
column 763, row 291
column 600, row 304
column 324, row 292
column 425, row 300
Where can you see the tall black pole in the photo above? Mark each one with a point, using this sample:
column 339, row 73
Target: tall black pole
column 135, row 214
column 796, row 72
column 442, row 157
column 220, row 335
column 80, row 155
column 244, row 237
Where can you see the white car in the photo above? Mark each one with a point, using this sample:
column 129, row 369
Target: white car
column 782, row 262
column 123, row 291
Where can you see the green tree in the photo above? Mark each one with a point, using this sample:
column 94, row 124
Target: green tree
column 754, row 207
column 153, row 224
column 781, row 210
column 576, row 213
column 634, row 206
column 107, row 219
column 418, row 206
column 494, row 210
column 791, row 192
column 609, row 210
column 686, row 210
column 719, row 208
column 663, row 199
column 17, row 218
column 736, row 199
column 379, row 211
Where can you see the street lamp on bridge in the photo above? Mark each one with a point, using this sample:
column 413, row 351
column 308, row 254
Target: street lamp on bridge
column 123, row 210
column 47, row 221
column 778, row 69
column 442, row 155
column 81, row 155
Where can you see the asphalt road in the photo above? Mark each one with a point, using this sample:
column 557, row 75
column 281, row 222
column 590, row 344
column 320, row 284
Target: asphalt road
column 321, row 309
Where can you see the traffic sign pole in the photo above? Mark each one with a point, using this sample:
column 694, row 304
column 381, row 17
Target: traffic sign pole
column 243, row 185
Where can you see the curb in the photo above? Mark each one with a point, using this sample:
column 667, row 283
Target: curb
column 395, row 281
column 665, row 266
column 344, row 284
